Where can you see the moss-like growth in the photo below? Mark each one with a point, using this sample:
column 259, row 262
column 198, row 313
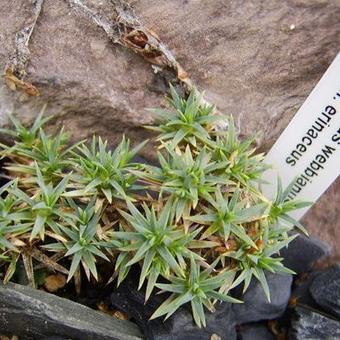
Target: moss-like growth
column 198, row 220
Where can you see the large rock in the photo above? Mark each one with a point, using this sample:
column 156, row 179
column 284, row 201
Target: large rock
column 256, row 331
column 256, row 60
column 307, row 324
column 325, row 290
column 30, row 313
column 256, row 306
column 92, row 86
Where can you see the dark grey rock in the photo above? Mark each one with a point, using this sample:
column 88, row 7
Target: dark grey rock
column 256, row 306
column 307, row 324
column 103, row 89
column 325, row 290
column 255, row 332
column 303, row 252
column 301, row 291
column 180, row 325
column 31, row 313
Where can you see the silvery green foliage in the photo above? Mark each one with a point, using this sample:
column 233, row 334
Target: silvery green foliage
column 200, row 223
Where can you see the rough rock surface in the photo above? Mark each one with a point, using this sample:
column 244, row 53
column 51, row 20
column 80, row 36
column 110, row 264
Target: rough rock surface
column 30, row 313
column 256, row 306
column 303, row 252
column 255, row 332
column 307, row 324
column 301, row 291
column 256, row 60
column 325, row 290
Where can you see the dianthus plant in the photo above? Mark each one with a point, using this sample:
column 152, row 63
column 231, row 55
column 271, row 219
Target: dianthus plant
column 196, row 225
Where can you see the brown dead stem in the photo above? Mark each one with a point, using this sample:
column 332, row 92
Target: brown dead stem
column 125, row 28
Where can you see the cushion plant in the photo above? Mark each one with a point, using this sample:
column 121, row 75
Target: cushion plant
column 197, row 224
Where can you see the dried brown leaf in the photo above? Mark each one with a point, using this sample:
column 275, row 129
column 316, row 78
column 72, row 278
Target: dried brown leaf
column 14, row 83
column 55, row 282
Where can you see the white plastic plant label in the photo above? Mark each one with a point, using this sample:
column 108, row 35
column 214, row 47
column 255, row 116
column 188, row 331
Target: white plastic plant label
column 308, row 150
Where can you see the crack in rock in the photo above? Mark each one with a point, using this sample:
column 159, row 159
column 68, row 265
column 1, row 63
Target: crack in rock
column 125, row 28
column 15, row 71
column 122, row 26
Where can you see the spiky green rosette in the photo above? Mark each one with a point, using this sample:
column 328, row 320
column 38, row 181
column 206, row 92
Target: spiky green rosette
column 200, row 223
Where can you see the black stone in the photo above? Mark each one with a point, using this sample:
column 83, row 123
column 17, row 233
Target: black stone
column 34, row 314
column 256, row 306
column 55, row 338
column 180, row 325
column 325, row 290
column 308, row 324
column 301, row 291
column 255, row 332
column 303, row 252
